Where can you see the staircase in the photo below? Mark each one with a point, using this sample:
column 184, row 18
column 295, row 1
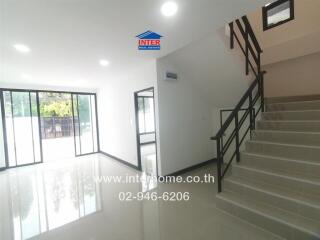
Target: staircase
column 276, row 183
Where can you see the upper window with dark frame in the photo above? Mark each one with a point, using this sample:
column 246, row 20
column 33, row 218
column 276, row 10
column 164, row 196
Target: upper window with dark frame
column 277, row 13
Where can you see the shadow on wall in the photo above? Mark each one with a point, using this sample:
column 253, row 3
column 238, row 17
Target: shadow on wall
column 294, row 77
column 291, row 51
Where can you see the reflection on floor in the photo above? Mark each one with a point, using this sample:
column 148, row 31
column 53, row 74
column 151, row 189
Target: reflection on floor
column 45, row 199
column 65, row 146
column 149, row 166
column 62, row 201
column 148, row 159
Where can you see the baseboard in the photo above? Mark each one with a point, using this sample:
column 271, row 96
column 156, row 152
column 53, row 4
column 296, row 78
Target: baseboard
column 120, row 160
column 194, row 167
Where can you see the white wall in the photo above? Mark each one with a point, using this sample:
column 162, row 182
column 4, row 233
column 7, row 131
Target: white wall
column 209, row 77
column 117, row 113
column 184, row 123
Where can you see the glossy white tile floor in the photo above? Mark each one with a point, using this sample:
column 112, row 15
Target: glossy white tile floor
column 52, row 201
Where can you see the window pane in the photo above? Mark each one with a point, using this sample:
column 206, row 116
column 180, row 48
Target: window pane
column 85, row 124
column 86, row 128
column 35, row 127
column 149, row 114
column 2, row 151
column 279, row 13
column 76, row 124
column 94, row 123
column 22, row 128
column 9, row 128
column 141, row 115
column 21, row 117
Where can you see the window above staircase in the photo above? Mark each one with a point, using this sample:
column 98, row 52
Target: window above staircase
column 277, row 13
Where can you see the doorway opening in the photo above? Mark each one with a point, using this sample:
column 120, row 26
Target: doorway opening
column 68, row 125
column 146, row 132
column 57, row 133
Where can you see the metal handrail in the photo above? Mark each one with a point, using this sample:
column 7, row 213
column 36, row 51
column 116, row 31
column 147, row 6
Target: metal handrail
column 249, row 49
column 250, row 95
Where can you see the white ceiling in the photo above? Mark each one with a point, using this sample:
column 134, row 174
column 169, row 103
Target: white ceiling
column 68, row 37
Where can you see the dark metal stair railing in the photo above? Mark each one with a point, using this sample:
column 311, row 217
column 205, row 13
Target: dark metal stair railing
column 251, row 97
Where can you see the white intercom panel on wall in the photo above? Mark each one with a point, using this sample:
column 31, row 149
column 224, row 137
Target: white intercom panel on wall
column 170, row 76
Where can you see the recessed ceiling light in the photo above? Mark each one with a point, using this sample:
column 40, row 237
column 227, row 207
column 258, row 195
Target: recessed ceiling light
column 22, row 48
column 26, row 76
column 104, row 62
column 169, row 9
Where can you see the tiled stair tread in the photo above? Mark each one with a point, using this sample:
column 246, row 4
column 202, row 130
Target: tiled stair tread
column 285, row 173
column 290, row 121
column 290, row 99
column 303, row 224
column 278, row 132
column 292, row 111
column 293, row 176
column 283, row 144
column 281, row 158
column 313, row 200
column 286, row 132
column 289, row 125
column 278, row 182
column 292, row 115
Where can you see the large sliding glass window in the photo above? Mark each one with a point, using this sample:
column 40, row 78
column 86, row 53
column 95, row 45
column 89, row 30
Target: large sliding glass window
column 85, row 123
column 21, row 118
column 60, row 123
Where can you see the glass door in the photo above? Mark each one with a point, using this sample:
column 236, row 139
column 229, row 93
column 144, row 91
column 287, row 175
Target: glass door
column 22, row 127
column 85, row 123
column 146, row 136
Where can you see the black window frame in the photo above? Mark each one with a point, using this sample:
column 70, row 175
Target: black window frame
column 265, row 10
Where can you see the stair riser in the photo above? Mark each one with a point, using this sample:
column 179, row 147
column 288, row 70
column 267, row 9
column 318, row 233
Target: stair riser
column 272, row 225
column 312, row 115
column 286, row 151
column 297, row 106
column 287, row 204
column 283, row 166
column 297, row 186
column 287, row 137
column 289, row 126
